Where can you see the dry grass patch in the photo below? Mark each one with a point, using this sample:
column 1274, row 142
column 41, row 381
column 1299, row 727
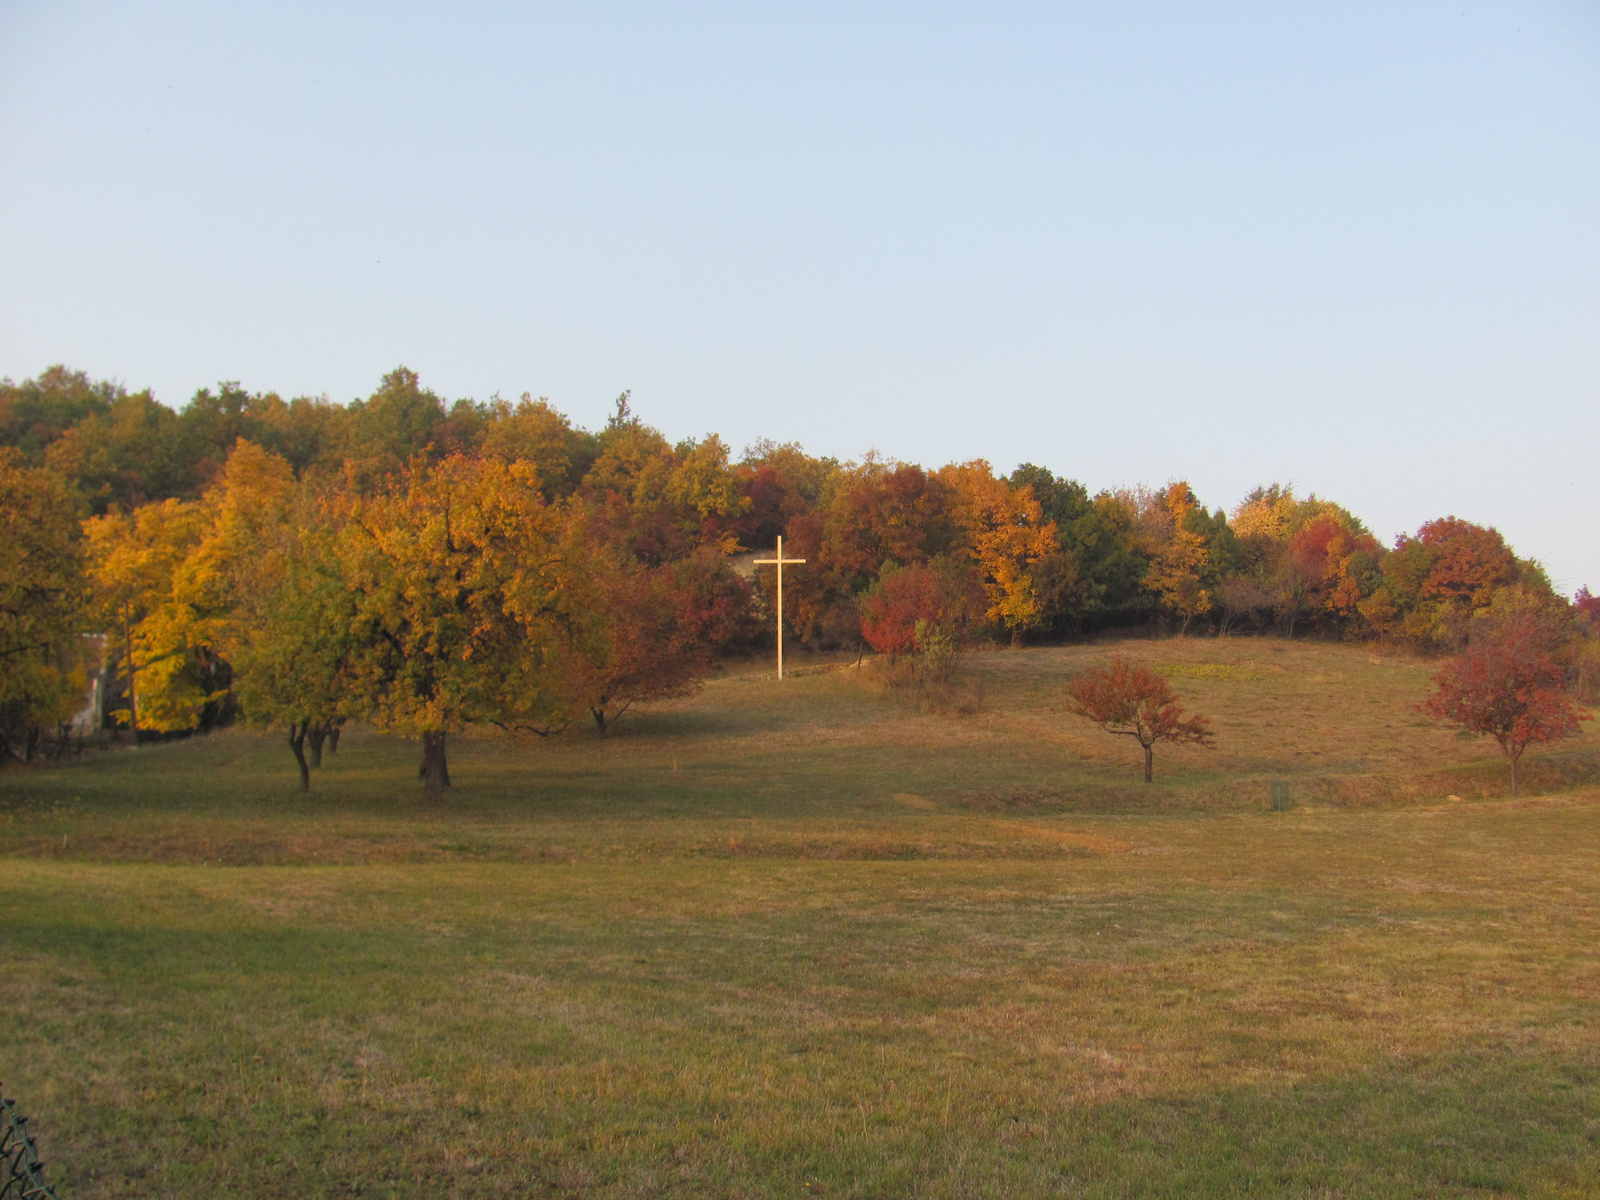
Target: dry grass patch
column 805, row 940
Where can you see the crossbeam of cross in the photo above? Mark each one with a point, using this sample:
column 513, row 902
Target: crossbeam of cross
column 780, row 562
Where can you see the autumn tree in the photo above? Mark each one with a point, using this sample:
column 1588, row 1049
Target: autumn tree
column 1134, row 701
column 164, row 583
column 657, row 522
column 462, row 584
column 133, row 560
column 291, row 640
column 532, row 431
column 1007, row 535
column 1588, row 605
column 269, row 595
column 849, row 522
column 1062, row 586
column 884, row 512
column 1333, row 562
column 945, row 595
column 42, row 604
column 783, row 484
column 293, row 663
column 1507, row 685
column 1315, row 562
column 891, row 609
column 857, row 522
column 790, row 494
column 1096, row 574
column 658, row 501
column 243, row 513
column 1181, row 571
column 1434, row 583
column 649, row 633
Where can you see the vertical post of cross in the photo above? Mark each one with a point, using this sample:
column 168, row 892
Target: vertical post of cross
column 779, row 561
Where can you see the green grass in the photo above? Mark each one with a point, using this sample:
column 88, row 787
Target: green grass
column 811, row 941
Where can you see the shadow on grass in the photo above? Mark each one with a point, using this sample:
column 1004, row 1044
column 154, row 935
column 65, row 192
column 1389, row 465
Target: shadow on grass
column 1471, row 1124
column 1490, row 1124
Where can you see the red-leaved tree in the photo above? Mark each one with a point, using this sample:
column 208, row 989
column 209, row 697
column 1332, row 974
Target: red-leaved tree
column 1508, row 685
column 653, row 633
column 946, row 596
column 891, row 610
column 1136, row 702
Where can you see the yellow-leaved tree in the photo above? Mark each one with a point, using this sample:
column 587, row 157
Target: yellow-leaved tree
column 263, row 589
column 166, row 585
column 133, row 559
column 1007, row 535
column 463, row 587
column 1180, row 561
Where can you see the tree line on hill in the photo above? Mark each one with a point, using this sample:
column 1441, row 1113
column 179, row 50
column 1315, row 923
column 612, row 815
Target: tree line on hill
column 428, row 566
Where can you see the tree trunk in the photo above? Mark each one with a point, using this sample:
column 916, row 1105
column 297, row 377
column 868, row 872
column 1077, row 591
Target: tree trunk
column 435, row 771
column 599, row 720
column 333, row 736
column 318, row 735
column 1513, row 757
column 1149, row 762
column 297, row 743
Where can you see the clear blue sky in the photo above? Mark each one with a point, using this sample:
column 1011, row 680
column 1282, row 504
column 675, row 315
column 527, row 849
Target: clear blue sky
column 1352, row 245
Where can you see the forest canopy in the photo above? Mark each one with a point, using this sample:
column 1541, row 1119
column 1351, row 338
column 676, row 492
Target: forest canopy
column 429, row 565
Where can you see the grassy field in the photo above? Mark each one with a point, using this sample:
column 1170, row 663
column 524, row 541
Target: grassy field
column 810, row 940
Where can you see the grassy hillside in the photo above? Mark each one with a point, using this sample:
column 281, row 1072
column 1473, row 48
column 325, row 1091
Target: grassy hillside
column 809, row 940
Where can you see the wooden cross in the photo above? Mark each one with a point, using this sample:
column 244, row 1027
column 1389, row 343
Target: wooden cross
column 779, row 563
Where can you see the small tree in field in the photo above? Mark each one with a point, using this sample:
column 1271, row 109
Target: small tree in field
column 1507, row 685
column 1136, row 702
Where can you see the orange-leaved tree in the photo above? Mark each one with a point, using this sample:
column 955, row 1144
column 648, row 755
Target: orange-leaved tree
column 1507, row 684
column 1134, row 701
column 1007, row 534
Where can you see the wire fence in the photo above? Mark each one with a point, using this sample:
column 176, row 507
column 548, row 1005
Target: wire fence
column 21, row 1172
